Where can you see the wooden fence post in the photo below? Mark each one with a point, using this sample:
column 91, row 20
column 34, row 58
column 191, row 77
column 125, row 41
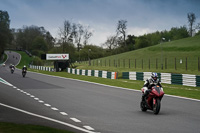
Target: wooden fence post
column 175, row 63
column 198, row 64
column 124, row 62
column 156, row 63
column 142, row 63
column 149, row 63
column 186, row 64
column 135, row 63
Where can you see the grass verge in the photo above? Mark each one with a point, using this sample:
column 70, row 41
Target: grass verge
column 6, row 127
column 4, row 58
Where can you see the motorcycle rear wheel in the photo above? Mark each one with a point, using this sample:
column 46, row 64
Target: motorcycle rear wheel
column 156, row 106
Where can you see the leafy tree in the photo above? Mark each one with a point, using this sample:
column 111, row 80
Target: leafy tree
column 5, row 33
column 39, row 46
column 130, row 41
column 178, row 33
column 92, row 52
column 27, row 35
column 141, row 42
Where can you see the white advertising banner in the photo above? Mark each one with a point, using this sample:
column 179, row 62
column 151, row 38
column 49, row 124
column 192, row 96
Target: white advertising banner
column 57, row 56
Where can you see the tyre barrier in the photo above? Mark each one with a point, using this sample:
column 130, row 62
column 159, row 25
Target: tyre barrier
column 168, row 78
column 42, row 68
column 95, row 73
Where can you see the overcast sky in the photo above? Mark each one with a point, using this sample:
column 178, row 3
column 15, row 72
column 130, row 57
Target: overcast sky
column 143, row 16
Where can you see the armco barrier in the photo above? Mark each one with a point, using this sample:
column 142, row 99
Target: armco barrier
column 96, row 73
column 168, row 78
column 42, row 68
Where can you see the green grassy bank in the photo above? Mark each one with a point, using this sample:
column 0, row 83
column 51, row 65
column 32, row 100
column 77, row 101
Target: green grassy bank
column 180, row 56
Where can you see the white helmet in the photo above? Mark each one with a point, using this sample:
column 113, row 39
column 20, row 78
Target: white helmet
column 154, row 76
column 24, row 65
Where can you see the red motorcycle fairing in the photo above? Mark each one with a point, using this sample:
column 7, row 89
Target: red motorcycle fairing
column 155, row 93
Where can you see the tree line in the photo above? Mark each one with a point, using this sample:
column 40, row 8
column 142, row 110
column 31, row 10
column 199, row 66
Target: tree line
column 120, row 42
column 74, row 39
column 5, row 32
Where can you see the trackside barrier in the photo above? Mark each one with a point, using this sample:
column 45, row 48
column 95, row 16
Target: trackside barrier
column 168, row 78
column 96, row 73
column 42, row 68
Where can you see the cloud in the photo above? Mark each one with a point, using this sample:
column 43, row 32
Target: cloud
column 137, row 31
column 143, row 16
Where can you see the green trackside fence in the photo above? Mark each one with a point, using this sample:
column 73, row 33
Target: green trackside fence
column 95, row 73
column 42, row 68
column 168, row 78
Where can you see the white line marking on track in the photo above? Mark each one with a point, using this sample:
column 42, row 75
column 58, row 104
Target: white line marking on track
column 32, row 96
column 36, row 98
column 48, row 105
column 40, row 101
column 75, row 120
column 54, row 108
column 47, row 118
column 63, row 113
column 88, row 127
column 14, row 87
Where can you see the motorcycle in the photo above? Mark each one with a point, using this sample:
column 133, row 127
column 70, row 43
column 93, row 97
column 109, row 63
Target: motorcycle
column 23, row 73
column 153, row 100
column 12, row 70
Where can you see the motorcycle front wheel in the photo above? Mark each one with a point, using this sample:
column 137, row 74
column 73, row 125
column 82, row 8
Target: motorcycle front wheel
column 143, row 106
column 23, row 74
column 156, row 106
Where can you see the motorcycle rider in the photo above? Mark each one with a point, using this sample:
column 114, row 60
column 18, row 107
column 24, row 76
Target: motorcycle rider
column 12, row 66
column 24, row 68
column 153, row 80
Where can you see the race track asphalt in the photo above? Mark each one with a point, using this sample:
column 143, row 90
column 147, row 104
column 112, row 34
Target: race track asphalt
column 102, row 108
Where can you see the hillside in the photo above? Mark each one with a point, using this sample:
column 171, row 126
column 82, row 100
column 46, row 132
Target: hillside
column 180, row 56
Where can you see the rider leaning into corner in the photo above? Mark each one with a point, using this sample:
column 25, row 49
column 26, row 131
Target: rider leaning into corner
column 12, row 66
column 153, row 80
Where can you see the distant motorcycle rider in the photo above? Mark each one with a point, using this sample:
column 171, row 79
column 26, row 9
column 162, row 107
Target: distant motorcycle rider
column 24, row 68
column 153, row 80
column 12, row 66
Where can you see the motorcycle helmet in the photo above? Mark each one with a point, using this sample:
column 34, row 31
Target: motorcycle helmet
column 24, row 65
column 154, row 76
